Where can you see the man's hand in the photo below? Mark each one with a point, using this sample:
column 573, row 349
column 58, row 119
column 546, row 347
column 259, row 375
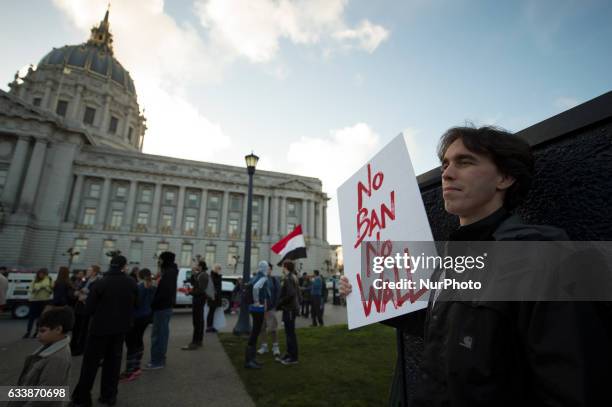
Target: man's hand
column 345, row 287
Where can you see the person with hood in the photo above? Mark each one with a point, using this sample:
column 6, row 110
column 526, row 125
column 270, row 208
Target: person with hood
column 110, row 306
column 163, row 302
column 270, row 324
column 503, row 353
column 142, row 318
column 261, row 300
column 199, row 282
column 289, row 303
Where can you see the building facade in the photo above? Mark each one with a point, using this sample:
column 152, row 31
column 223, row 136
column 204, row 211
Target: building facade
column 72, row 176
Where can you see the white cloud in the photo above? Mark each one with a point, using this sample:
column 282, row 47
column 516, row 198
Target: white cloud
column 171, row 117
column 254, row 28
column 163, row 58
column 565, row 103
column 334, row 159
column 367, row 36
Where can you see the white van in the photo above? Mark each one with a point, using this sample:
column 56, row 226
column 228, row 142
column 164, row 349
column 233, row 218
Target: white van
column 183, row 287
column 18, row 292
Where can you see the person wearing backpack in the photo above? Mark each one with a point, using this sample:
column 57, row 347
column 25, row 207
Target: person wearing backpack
column 258, row 286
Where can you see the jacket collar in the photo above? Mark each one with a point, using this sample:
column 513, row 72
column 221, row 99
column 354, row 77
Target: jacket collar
column 56, row 347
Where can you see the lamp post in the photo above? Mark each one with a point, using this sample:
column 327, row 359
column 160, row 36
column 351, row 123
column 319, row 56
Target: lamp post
column 243, row 326
column 72, row 253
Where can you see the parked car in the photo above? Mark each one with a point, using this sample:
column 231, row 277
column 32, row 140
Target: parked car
column 183, row 288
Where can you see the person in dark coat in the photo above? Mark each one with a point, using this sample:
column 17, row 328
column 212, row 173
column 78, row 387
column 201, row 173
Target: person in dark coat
column 214, row 303
column 289, row 303
column 62, row 288
column 142, row 318
column 504, row 353
column 81, row 319
column 110, row 305
column 163, row 302
column 199, row 283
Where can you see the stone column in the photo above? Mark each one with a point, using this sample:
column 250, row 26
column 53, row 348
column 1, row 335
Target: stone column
column 304, row 209
column 274, row 220
column 319, row 233
column 155, row 207
column 76, row 198
column 103, row 125
column 129, row 210
column 37, row 160
column 265, row 230
column 44, row 104
column 324, row 222
column 76, row 104
column 311, row 218
column 178, row 226
column 283, row 216
column 224, row 214
column 15, row 172
column 126, row 124
column 104, row 198
column 202, row 215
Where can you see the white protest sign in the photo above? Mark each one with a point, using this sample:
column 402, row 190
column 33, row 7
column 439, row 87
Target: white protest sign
column 381, row 203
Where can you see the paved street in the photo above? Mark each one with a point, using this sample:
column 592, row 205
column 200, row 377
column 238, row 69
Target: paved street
column 200, row 378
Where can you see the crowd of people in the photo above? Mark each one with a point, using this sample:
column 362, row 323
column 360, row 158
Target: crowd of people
column 95, row 313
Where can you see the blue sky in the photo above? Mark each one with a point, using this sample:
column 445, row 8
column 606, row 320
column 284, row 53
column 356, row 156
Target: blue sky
column 317, row 87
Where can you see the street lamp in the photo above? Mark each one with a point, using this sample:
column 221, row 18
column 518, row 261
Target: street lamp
column 72, row 253
column 243, row 326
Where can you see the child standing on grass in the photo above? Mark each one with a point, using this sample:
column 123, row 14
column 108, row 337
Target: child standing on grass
column 142, row 318
column 50, row 364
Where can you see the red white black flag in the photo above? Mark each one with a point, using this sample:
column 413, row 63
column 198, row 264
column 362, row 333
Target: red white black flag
column 291, row 247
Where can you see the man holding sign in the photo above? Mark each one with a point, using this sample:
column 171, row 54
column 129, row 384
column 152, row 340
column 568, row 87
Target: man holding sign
column 503, row 354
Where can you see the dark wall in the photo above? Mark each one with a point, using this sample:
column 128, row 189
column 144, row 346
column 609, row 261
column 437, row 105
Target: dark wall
column 572, row 188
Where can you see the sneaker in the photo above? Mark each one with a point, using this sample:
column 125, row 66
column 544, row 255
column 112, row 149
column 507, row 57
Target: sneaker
column 153, row 366
column 263, row 349
column 280, row 358
column 131, row 376
column 289, row 361
column 276, row 351
column 192, row 346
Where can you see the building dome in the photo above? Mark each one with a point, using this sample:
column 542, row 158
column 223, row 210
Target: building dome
column 87, row 87
column 91, row 59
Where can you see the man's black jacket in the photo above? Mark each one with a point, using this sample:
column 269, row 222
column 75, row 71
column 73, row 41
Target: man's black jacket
column 515, row 353
column 111, row 303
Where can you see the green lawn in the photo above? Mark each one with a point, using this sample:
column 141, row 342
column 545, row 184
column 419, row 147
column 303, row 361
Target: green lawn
column 337, row 368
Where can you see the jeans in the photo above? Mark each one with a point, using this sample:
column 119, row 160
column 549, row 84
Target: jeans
column 36, row 309
column 135, row 344
column 292, row 345
column 160, row 335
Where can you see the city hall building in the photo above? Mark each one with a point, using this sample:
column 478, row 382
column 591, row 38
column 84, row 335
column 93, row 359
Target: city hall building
column 73, row 176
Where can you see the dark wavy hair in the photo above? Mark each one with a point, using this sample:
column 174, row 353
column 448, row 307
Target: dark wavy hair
column 511, row 155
